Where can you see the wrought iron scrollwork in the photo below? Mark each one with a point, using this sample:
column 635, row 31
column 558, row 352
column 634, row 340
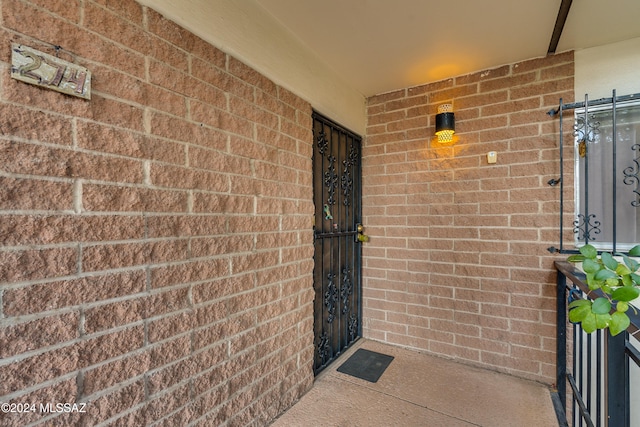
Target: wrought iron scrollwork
column 584, row 227
column 331, row 177
column 586, row 130
column 322, row 142
column 347, row 179
column 331, row 180
column 631, row 175
column 346, row 289
column 353, row 327
column 331, row 297
column 323, row 348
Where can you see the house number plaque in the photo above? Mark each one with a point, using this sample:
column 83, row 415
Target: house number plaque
column 40, row 69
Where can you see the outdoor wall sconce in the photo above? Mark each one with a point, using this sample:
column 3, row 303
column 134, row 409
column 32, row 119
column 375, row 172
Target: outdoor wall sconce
column 445, row 123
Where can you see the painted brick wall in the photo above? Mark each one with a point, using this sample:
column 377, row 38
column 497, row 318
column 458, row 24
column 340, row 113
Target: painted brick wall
column 458, row 264
column 156, row 258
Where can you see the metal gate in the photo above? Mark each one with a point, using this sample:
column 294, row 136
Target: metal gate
column 606, row 177
column 337, row 239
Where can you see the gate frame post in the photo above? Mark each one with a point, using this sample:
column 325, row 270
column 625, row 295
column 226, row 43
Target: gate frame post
column 617, row 388
column 561, row 339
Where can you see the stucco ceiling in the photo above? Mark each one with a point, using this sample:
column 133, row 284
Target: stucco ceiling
column 376, row 46
column 382, row 45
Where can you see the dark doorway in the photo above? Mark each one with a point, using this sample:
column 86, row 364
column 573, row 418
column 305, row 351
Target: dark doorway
column 337, row 176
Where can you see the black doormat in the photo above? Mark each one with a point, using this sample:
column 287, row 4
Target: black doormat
column 365, row 364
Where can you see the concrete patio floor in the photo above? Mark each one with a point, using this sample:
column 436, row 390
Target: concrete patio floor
column 420, row 390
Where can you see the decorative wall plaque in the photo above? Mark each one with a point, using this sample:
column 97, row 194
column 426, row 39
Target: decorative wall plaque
column 40, row 69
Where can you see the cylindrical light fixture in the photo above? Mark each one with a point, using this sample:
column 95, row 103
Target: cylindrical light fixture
column 445, row 123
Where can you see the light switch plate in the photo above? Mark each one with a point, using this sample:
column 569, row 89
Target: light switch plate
column 492, row 157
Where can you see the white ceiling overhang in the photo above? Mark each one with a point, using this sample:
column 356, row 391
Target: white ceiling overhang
column 382, row 45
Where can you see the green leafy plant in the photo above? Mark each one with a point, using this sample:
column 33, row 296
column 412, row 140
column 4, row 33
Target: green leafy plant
column 619, row 284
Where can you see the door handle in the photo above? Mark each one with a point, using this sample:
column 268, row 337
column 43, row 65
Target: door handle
column 361, row 237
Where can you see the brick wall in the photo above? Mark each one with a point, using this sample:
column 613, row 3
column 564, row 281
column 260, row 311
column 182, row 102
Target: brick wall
column 458, row 264
column 156, row 258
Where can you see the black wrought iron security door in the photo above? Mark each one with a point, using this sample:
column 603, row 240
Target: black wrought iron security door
column 338, row 236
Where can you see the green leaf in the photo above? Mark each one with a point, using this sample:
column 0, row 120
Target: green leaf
column 590, row 251
column 631, row 263
column 576, row 258
column 601, row 306
column 589, row 323
column 578, row 314
column 626, row 280
column 622, row 270
column 609, row 261
column 635, row 251
column 593, row 283
column 619, row 323
column 635, row 277
column 602, row 320
column 590, row 266
column 605, row 274
column 626, row 293
column 622, row 306
column 612, row 282
column 580, row 302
